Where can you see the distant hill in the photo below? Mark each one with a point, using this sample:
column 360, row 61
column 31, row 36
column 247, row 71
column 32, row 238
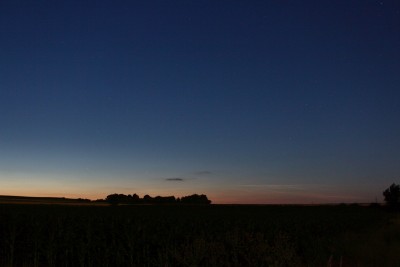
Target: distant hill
column 41, row 200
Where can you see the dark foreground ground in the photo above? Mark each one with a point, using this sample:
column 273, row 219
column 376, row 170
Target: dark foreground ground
column 214, row 235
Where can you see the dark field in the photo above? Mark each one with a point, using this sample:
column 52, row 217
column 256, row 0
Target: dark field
column 214, row 235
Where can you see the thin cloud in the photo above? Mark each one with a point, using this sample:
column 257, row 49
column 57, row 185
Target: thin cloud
column 175, row 179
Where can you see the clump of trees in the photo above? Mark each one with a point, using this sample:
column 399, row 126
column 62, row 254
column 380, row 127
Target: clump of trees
column 115, row 199
column 392, row 195
column 195, row 199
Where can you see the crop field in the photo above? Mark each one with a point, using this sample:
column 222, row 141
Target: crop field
column 209, row 235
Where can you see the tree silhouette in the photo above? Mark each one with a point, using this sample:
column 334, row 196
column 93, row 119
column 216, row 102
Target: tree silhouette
column 147, row 199
column 195, row 199
column 115, row 199
column 392, row 195
column 135, row 198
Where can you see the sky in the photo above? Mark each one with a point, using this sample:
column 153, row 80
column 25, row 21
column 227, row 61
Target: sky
column 258, row 102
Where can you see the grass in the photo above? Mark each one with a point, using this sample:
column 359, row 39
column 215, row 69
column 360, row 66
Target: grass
column 214, row 235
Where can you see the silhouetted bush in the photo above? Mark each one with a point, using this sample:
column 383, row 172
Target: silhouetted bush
column 392, row 195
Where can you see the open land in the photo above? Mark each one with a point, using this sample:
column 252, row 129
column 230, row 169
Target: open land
column 46, row 234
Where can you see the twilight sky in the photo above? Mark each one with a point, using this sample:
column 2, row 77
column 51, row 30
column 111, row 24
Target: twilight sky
column 245, row 101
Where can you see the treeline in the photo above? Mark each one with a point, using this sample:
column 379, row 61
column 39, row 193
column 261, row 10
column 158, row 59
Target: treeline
column 115, row 199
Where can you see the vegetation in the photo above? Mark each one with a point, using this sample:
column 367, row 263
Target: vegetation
column 197, row 235
column 49, row 200
column 115, row 199
column 392, row 195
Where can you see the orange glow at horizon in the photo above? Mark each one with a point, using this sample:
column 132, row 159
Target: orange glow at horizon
column 215, row 197
column 73, row 187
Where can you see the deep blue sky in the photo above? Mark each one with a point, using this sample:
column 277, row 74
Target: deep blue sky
column 245, row 101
